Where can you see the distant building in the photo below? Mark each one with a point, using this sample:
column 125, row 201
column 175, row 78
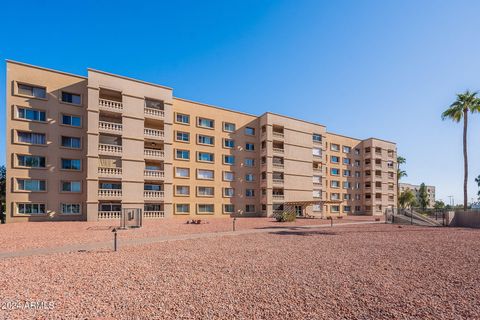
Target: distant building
column 416, row 190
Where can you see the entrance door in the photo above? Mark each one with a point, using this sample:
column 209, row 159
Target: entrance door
column 299, row 211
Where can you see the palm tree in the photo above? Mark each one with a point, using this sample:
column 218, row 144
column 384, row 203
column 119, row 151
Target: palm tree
column 400, row 174
column 466, row 102
column 477, row 180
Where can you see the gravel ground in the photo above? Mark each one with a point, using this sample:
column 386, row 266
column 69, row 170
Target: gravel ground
column 347, row 272
column 22, row 236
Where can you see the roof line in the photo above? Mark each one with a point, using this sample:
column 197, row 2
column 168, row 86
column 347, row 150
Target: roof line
column 43, row 68
column 130, row 79
column 216, row 107
column 297, row 119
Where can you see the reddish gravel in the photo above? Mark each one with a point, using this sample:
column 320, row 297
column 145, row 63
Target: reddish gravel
column 22, row 236
column 348, row 272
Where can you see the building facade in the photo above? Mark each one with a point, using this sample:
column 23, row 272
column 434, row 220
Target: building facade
column 416, row 190
column 83, row 148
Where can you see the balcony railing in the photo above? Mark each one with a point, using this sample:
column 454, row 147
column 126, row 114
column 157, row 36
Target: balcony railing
column 154, row 133
column 278, row 181
column 110, row 127
column 109, row 214
column 278, row 165
column 110, row 105
column 278, row 135
column 154, row 112
column 152, row 194
column 154, row 154
column 110, row 193
column 154, row 173
column 317, row 183
column 110, row 149
column 317, row 169
column 278, row 197
column 153, row 214
column 110, row 172
column 278, row 150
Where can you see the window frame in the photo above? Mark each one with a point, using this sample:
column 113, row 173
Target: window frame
column 62, row 212
column 209, row 179
column 182, row 150
column 228, row 123
column 182, row 114
column 17, row 211
column 71, row 116
column 17, row 162
column 60, row 98
column 199, row 125
column 16, row 114
column 20, row 83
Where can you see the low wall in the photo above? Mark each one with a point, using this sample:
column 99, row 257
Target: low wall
column 469, row 219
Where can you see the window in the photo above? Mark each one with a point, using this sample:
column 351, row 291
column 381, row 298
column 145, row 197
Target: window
column 316, row 137
column 229, row 127
column 347, row 196
column 347, row 208
column 249, row 146
column 154, row 104
column 205, row 123
column 32, row 91
column 347, row 185
column 205, row 140
column 71, row 164
column 367, row 150
column 228, row 143
column 182, row 208
column 250, row 193
column 317, row 193
column 182, row 118
column 182, row 136
column 71, row 142
column 205, row 174
column 249, row 162
column 31, row 161
column 250, row 208
column 71, row 98
column 205, row 191
column 205, row 157
column 335, row 184
column 205, row 209
column 70, row 186
column 249, row 177
column 70, row 208
column 317, row 207
column 347, row 161
column 346, row 149
column 334, row 159
column 31, row 185
column 357, row 174
column 110, row 185
column 228, row 192
column 182, row 154
column 334, row 147
column 31, row 208
column 357, row 151
column 74, row 121
column 182, row 190
column 182, row 172
column 347, row 173
column 227, row 159
column 317, row 179
column 228, row 176
column 32, row 114
column 112, row 206
column 335, row 196
column 335, row 208
column 152, row 187
column 228, row 208
column 317, row 152
column 250, row 131
column 334, row 171
column 31, row 137
column 357, row 163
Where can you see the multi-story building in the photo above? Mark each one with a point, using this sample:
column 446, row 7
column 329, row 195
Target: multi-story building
column 416, row 191
column 83, row 148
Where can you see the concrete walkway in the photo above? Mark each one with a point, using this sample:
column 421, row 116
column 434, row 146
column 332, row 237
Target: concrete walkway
column 108, row 245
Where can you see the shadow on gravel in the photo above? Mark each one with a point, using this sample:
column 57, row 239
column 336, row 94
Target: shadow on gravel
column 100, row 228
column 304, row 233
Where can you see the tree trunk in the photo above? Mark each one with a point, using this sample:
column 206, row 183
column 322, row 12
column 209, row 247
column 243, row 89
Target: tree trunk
column 465, row 159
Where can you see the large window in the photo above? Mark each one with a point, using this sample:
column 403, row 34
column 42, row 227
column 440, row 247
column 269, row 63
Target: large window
column 334, row 171
column 229, row 127
column 205, row 208
column 205, row 123
column 74, row 121
column 182, row 190
column 205, row 157
column 31, row 208
column 71, row 164
column 317, row 152
column 228, row 192
column 32, row 91
column 31, row 137
column 250, row 208
column 317, row 137
column 335, row 184
column 183, row 136
column 71, row 142
column 31, row 161
column 334, row 147
column 205, row 174
column 71, row 186
column 182, row 172
column 249, row 162
column 250, row 192
column 70, row 208
column 182, row 208
column 334, row 159
column 228, row 208
column 32, row 114
column 182, row 154
column 228, row 159
column 73, row 98
column 205, row 191
column 249, row 146
column 228, row 176
column 182, row 118
column 228, row 143
column 250, row 131
column 202, row 139
column 31, row 185
column 249, row 177
column 154, row 104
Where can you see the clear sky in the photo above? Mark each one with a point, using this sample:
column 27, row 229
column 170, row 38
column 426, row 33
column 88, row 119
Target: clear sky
column 362, row 68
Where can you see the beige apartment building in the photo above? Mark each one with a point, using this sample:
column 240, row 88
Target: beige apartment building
column 84, row 148
column 416, row 191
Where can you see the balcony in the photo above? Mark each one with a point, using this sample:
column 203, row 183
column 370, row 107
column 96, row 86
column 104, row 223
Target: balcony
column 154, row 133
column 154, row 113
column 278, row 150
column 279, row 135
column 153, row 194
column 110, row 172
column 317, row 183
column 278, row 197
column 278, row 165
column 317, row 169
column 110, row 127
column 110, row 105
column 154, row 154
column 110, row 193
column 109, row 214
column 278, row 181
column 153, row 214
column 155, row 174
column 110, row 149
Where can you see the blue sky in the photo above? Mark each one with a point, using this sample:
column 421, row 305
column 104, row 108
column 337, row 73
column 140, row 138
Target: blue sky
column 363, row 68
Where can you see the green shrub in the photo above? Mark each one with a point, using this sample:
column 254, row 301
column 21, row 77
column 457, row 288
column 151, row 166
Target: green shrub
column 285, row 216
